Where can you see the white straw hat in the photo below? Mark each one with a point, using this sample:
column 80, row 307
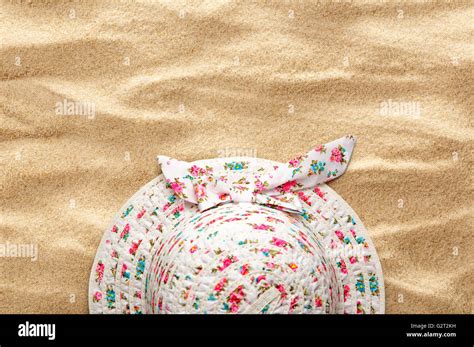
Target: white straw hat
column 239, row 235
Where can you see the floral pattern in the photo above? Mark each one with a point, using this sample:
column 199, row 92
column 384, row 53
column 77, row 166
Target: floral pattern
column 99, row 272
column 202, row 186
column 267, row 226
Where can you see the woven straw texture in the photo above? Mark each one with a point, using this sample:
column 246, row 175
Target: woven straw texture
column 161, row 255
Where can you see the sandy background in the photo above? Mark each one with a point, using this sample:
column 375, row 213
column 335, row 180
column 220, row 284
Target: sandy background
column 272, row 79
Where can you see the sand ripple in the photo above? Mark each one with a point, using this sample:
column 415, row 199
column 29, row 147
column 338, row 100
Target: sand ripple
column 274, row 78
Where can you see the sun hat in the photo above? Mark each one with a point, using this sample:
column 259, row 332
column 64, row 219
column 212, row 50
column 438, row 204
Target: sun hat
column 240, row 235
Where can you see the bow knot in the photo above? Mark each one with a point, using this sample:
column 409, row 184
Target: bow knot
column 246, row 181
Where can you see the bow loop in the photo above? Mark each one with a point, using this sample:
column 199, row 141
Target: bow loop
column 276, row 186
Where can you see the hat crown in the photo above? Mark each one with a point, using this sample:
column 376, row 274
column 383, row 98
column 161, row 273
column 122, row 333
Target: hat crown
column 286, row 247
column 241, row 258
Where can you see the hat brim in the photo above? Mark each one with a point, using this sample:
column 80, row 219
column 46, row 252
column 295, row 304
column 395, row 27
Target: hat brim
column 118, row 277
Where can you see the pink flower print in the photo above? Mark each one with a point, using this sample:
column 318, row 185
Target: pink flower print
column 260, row 278
column 294, row 303
column 353, row 233
column 304, row 197
column 293, row 266
column 360, row 308
column 222, row 179
column 235, row 298
column 134, row 248
column 244, row 269
column 177, row 210
column 318, row 301
column 193, row 249
column 200, row 191
column 219, row 287
column 124, row 269
column 260, row 186
column 177, row 187
column 336, row 155
column 282, row 290
column 126, row 228
column 227, row 262
column 99, row 271
column 124, row 234
column 320, row 148
column 97, row 296
column 295, row 161
column 339, row 235
column 320, row 193
column 342, row 265
column 270, row 265
column 141, row 214
column 114, row 229
column 347, row 292
column 278, row 242
column 138, row 294
column 195, row 170
column 352, row 259
column 286, row 187
column 262, row 227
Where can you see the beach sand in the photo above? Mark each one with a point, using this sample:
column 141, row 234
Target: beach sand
column 272, row 79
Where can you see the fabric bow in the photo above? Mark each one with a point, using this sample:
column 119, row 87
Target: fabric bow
column 246, row 181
